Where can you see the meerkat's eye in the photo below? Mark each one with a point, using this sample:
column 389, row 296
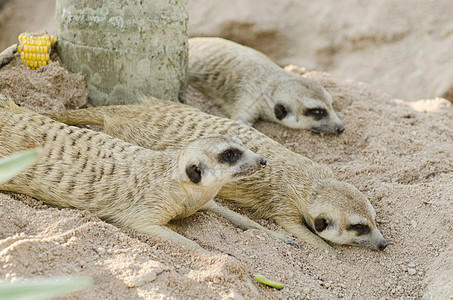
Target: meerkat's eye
column 317, row 113
column 230, row 156
column 361, row 229
column 280, row 111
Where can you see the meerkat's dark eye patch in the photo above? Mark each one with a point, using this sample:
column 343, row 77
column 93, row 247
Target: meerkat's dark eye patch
column 280, row 111
column 230, row 156
column 194, row 173
column 361, row 229
column 321, row 224
column 317, row 113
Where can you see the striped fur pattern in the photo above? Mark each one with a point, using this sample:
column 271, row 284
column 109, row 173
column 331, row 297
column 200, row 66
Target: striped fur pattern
column 293, row 190
column 247, row 85
column 122, row 183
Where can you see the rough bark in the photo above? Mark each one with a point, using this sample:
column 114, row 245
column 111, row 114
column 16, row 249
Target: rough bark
column 125, row 48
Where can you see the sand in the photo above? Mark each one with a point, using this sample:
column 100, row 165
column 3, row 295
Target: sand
column 397, row 149
column 398, row 153
column 403, row 47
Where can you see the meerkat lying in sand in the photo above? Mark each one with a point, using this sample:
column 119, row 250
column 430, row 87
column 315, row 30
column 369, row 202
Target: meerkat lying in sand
column 247, row 85
column 121, row 183
column 299, row 194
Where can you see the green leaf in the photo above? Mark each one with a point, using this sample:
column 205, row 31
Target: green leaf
column 32, row 289
column 15, row 163
column 264, row 280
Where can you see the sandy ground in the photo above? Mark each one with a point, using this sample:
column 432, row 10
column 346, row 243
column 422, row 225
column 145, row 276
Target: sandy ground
column 403, row 47
column 400, row 154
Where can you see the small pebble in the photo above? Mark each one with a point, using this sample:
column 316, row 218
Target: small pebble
column 411, row 265
column 100, row 250
column 411, row 271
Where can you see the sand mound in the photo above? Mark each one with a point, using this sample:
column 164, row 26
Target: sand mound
column 399, row 153
column 402, row 47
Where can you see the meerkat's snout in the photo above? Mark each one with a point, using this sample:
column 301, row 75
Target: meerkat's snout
column 382, row 245
column 340, row 128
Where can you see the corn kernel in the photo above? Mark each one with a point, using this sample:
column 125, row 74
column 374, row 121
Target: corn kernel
column 35, row 49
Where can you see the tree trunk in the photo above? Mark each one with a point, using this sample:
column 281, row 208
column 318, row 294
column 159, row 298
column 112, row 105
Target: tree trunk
column 125, row 49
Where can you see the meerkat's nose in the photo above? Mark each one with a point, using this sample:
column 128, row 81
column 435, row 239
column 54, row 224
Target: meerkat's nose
column 263, row 162
column 382, row 245
column 340, row 130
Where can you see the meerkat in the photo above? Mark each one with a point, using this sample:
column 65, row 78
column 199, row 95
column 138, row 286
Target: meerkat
column 298, row 194
column 247, row 85
column 121, row 183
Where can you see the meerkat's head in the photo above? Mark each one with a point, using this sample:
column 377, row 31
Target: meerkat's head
column 217, row 160
column 303, row 103
column 342, row 214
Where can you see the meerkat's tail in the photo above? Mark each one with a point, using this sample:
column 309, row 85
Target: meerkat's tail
column 8, row 104
column 97, row 115
column 87, row 116
column 7, row 55
column 5, row 102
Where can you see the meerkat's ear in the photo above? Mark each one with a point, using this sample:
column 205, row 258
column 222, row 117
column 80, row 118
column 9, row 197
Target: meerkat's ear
column 280, row 111
column 193, row 171
column 321, row 223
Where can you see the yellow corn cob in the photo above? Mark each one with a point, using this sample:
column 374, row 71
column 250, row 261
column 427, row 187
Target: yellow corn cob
column 35, row 49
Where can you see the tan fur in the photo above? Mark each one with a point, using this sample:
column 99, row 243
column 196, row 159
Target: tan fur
column 247, row 85
column 295, row 191
column 7, row 55
column 122, row 183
